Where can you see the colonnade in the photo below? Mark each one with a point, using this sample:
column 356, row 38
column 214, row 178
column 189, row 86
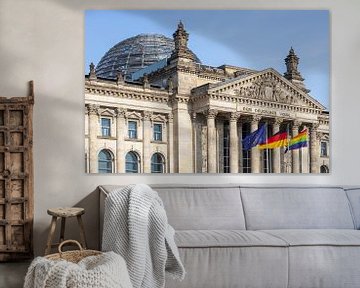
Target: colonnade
column 235, row 146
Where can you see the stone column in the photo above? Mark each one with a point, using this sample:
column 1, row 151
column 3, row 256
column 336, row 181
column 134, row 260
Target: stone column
column 120, row 135
column 147, row 141
column 93, row 111
column 171, row 143
column 276, row 151
column 295, row 152
column 211, row 139
column 314, row 149
column 240, row 148
column 255, row 152
column 234, row 140
column 194, row 140
column 304, row 153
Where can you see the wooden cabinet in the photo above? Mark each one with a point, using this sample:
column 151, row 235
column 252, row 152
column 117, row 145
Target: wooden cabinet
column 16, row 177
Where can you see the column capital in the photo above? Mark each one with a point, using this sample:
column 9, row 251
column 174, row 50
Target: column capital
column 278, row 121
column 147, row 115
column 234, row 116
column 120, row 112
column 170, row 117
column 93, row 109
column 319, row 135
column 314, row 126
column 211, row 113
column 255, row 119
column 296, row 124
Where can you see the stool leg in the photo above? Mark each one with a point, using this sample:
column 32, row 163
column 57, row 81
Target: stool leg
column 62, row 231
column 82, row 232
column 51, row 235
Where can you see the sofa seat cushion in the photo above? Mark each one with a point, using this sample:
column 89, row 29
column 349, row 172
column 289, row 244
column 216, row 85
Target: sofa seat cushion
column 322, row 258
column 317, row 237
column 225, row 238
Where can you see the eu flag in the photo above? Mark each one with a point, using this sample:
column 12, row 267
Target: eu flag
column 255, row 138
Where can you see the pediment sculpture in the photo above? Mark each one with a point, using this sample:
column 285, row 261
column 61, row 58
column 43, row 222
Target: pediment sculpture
column 268, row 89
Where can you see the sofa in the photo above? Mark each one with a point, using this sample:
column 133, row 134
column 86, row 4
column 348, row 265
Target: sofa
column 266, row 237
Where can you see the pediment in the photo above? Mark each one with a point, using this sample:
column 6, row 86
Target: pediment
column 158, row 118
column 107, row 112
column 133, row 115
column 267, row 85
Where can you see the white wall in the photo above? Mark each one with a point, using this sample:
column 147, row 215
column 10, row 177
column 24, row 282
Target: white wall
column 43, row 40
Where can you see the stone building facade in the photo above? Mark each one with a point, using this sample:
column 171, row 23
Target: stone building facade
column 190, row 118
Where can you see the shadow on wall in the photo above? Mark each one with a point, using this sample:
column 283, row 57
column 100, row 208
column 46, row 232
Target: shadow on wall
column 91, row 219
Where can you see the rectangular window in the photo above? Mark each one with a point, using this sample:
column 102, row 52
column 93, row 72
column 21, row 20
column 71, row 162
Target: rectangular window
column 157, row 132
column 105, row 127
column 324, row 152
column 132, row 129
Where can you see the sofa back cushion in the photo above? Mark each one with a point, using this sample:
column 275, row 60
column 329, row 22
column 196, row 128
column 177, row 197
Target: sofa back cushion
column 202, row 207
column 354, row 198
column 296, row 208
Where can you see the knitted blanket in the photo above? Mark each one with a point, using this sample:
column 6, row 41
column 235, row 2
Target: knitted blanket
column 102, row 271
column 136, row 227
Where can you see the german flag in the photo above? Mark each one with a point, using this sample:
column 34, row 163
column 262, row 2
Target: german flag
column 280, row 139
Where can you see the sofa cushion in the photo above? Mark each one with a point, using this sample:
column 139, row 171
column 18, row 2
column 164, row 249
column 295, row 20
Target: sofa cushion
column 296, row 208
column 203, row 208
column 315, row 237
column 354, row 198
column 322, row 258
column 191, row 207
column 226, row 238
column 225, row 267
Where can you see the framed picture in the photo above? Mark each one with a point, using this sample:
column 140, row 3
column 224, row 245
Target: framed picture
column 196, row 91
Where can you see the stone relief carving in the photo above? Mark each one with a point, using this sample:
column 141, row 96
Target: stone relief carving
column 93, row 109
column 147, row 115
column 120, row 112
column 268, row 89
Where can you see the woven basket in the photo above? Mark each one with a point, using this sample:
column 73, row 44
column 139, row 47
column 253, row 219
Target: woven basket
column 72, row 256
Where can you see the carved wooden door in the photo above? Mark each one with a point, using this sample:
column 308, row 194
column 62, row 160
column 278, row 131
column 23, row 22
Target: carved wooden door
column 16, row 177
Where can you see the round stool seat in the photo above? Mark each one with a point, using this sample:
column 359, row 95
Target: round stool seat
column 66, row 211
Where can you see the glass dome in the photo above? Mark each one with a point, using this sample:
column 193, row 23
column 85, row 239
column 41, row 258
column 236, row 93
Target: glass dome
column 135, row 53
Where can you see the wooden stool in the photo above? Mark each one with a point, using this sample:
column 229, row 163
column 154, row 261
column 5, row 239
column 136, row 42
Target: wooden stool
column 64, row 213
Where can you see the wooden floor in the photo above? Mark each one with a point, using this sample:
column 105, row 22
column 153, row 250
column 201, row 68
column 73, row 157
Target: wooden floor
column 12, row 274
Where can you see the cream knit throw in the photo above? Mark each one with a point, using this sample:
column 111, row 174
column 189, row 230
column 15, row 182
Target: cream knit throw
column 103, row 271
column 136, row 227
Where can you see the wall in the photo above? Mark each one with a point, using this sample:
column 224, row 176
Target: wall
column 43, row 40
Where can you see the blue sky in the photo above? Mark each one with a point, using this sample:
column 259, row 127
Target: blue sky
column 256, row 39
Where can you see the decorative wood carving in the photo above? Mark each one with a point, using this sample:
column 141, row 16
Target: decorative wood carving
column 16, row 177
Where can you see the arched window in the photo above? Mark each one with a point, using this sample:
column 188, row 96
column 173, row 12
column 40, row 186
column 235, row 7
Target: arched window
column 324, row 169
column 131, row 163
column 157, row 163
column 105, row 161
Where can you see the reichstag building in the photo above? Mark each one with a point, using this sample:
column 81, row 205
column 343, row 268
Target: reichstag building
column 151, row 106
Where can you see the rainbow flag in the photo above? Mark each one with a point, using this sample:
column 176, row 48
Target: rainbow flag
column 280, row 139
column 298, row 141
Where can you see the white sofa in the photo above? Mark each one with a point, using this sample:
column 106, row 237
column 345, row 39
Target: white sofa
column 252, row 236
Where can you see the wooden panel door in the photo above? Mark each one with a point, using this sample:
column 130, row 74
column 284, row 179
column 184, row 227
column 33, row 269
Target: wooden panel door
column 16, row 178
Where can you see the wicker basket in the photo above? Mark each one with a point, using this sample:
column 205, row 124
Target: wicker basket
column 72, row 256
